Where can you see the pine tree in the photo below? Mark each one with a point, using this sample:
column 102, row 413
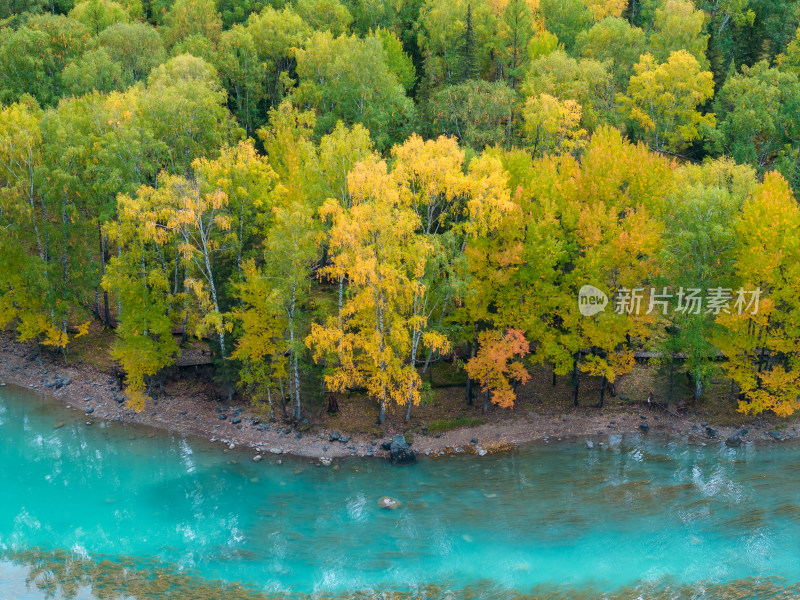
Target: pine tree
column 469, row 62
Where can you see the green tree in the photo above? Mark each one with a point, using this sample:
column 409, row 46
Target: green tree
column 347, row 79
column 137, row 47
column 185, row 109
column 144, row 275
column 277, row 36
column 95, row 70
column 698, row 254
column 236, row 12
column 444, row 43
column 566, row 19
column 553, row 127
column 516, row 30
column 757, row 112
column 615, row 41
column 187, row 18
column 242, row 74
column 478, row 113
column 585, row 81
column 9, row 8
column 325, row 15
column 26, row 298
column 679, row 25
column 397, row 60
column 33, row 57
column 99, row 14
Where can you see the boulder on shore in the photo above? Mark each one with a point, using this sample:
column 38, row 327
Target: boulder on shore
column 734, row 441
column 401, row 453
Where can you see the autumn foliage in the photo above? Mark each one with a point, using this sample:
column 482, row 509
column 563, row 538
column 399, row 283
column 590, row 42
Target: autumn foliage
column 498, row 365
column 333, row 197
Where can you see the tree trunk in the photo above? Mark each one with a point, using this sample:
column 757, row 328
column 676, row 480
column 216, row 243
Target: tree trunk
column 103, row 260
column 415, row 339
column 472, row 349
column 603, row 391
column 575, row 382
column 298, row 415
column 283, row 396
column 671, row 371
column 486, row 402
column 554, row 374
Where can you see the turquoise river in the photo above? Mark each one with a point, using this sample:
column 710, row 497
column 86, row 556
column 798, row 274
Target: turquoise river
column 114, row 511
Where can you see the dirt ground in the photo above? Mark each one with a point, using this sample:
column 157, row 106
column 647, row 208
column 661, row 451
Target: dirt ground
column 442, row 424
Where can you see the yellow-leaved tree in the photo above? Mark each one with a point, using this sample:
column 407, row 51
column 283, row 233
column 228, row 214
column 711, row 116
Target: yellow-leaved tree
column 376, row 246
column 761, row 328
column 453, row 206
column 553, row 126
column 663, row 99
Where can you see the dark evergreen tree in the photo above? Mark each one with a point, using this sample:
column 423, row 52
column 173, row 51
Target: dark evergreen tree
column 469, row 62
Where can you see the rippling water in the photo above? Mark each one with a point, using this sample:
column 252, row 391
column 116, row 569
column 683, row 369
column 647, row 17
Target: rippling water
column 113, row 511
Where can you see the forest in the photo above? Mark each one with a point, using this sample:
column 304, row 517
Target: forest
column 355, row 190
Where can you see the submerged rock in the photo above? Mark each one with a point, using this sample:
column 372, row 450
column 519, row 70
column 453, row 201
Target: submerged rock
column 400, row 451
column 326, row 462
column 589, row 444
column 387, row 502
column 257, row 458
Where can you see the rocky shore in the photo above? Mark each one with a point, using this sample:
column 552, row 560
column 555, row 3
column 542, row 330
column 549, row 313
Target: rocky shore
column 97, row 396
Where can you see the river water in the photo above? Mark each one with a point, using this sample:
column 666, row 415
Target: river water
column 117, row 511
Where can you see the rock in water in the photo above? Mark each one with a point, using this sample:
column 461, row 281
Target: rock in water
column 326, row 462
column 257, row 458
column 400, row 451
column 387, row 502
column 734, row 441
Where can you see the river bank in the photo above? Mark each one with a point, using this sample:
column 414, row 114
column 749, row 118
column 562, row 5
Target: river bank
column 96, row 394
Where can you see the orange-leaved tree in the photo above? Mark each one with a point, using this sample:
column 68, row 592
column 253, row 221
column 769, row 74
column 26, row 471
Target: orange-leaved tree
column 498, row 366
